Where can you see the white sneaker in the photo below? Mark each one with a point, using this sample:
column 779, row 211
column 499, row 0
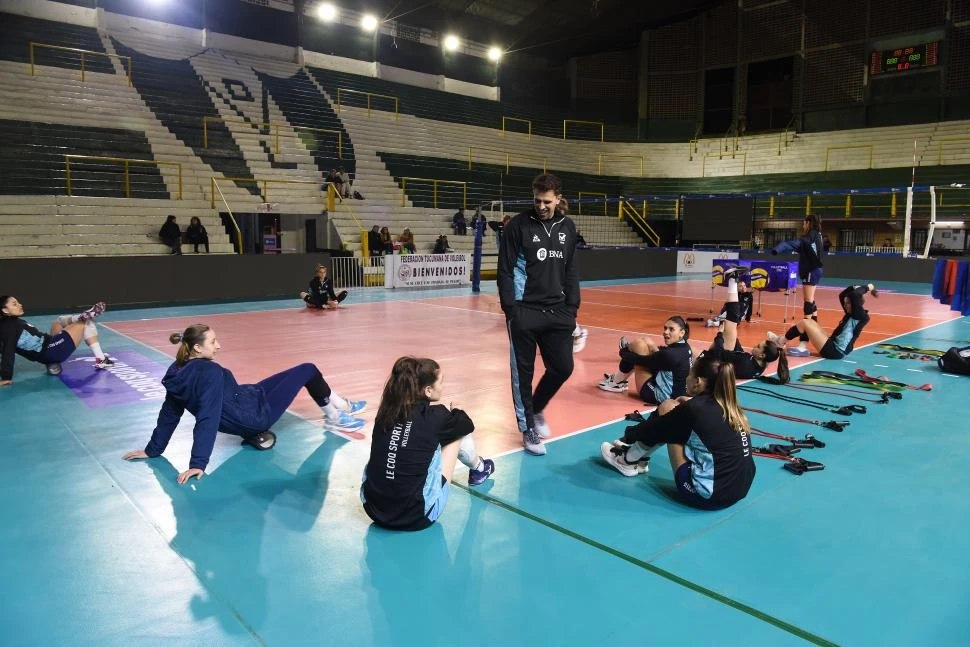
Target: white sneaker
column 613, row 455
column 533, row 443
column 612, row 385
column 540, row 425
column 607, row 379
column 579, row 341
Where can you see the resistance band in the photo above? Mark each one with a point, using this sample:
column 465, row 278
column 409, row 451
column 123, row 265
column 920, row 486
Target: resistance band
column 793, row 464
column 932, row 352
column 846, row 410
column 834, row 425
column 808, row 442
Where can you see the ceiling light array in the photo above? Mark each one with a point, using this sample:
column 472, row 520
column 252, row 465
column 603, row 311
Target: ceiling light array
column 328, row 12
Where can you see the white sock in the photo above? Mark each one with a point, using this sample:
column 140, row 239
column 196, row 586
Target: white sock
column 340, row 403
column 638, row 451
column 467, row 454
column 330, row 410
column 578, row 331
column 67, row 320
column 732, row 288
column 96, row 349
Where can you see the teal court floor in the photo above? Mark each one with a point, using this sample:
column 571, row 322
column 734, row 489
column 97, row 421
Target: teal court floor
column 273, row 548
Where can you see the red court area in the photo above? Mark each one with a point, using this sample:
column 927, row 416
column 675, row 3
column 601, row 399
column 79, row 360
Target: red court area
column 356, row 345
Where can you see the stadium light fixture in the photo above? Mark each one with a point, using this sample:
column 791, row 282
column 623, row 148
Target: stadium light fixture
column 326, row 12
column 494, row 54
column 451, row 42
column 368, row 22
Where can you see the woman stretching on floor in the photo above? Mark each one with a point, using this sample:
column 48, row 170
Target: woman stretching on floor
column 706, row 437
column 210, row 393
column 746, row 365
column 17, row 337
column 842, row 340
column 661, row 373
column 414, row 449
column 321, row 294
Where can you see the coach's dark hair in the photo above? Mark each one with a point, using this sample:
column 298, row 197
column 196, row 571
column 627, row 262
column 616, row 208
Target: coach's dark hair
column 409, row 377
column 188, row 338
column 815, row 221
column 677, row 319
column 547, row 182
column 775, row 351
column 3, row 303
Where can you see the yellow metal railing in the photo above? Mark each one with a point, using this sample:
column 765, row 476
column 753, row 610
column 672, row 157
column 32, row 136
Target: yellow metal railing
column 787, row 136
column 276, row 131
column 847, row 206
column 434, row 183
column 82, row 52
column 829, row 149
column 232, row 218
column 508, row 157
column 707, row 156
column 126, row 161
column 257, row 181
column 524, row 121
column 692, row 144
column 588, row 194
column 590, row 123
column 369, row 95
column 602, row 156
column 627, row 211
column 945, row 142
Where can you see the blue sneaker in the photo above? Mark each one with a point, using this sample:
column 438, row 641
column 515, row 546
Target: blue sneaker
column 345, row 423
column 477, row 477
column 356, row 406
column 798, row 352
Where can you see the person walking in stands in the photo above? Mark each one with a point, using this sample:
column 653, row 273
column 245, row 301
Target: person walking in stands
column 195, row 382
column 407, row 241
column 414, row 448
column 843, row 338
column 197, row 235
column 811, row 251
column 707, row 439
column 17, row 337
column 321, row 294
column 538, row 284
column 171, row 235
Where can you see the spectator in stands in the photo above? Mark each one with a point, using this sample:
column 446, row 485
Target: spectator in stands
column 580, row 241
column 441, row 245
column 458, row 224
column 888, row 244
column 386, row 242
column 375, row 245
column 171, row 235
column 826, row 244
column 197, row 235
column 334, row 179
column 344, row 182
column 478, row 217
column 407, row 241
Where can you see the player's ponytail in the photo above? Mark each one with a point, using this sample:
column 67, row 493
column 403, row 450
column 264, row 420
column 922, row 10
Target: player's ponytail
column 409, row 377
column 775, row 351
column 187, row 340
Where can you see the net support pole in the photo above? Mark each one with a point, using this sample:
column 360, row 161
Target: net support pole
column 477, row 257
column 929, row 233
column 907, row 228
